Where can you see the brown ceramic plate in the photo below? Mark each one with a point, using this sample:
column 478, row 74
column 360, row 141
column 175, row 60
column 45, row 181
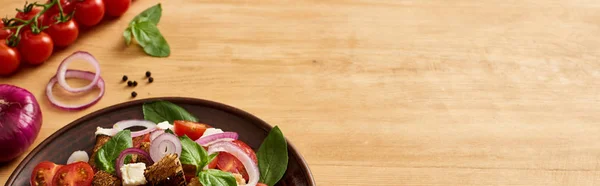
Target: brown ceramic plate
column 79, row 135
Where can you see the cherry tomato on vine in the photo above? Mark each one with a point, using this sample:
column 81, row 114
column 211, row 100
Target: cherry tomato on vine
column 116, row 8
column 89, row 12
column 9, row 59
column 28, row 15
column 4, row 33
column 63, row 34
column 35, row 48
column 67, row 5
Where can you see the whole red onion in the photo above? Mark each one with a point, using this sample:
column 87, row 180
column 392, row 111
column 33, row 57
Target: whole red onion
column 20, row 121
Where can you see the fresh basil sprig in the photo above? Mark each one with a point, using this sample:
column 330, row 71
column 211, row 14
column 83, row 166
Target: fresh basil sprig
column 144, row 30
column 216, row 177
column 193, row 154
column 109, row 152
column 272, row 157
column 160, row 111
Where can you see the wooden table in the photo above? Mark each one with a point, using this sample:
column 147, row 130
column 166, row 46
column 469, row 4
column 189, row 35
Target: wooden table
column 397, row 92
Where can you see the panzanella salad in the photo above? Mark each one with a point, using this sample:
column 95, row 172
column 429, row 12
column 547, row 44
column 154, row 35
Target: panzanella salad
column 173, row 149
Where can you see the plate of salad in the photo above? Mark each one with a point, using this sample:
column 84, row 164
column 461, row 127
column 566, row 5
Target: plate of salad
column 165, row 141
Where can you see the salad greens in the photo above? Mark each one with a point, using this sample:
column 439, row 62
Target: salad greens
column 216, row 177
column 160, row 111
column 272, row 157
column 193, row 154
column 144, row 30
column 109, row 152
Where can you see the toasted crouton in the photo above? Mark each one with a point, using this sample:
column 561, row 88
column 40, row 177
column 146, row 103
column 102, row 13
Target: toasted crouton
column 100, row 141
column 105, row 179
column 194, row 182
column 167, row 172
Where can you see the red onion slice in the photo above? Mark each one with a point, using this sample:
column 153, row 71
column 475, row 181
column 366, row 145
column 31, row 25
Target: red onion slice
column 75, row 74
column 61, row 74
column 122, row 125
column 214, row 138
column 121, row 159
column 237, row 152
column 155, row 134
column 165, row 144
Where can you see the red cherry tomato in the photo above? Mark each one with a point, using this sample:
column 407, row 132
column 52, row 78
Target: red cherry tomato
column 67, row 5
column 63, row 34
column 4, row 33
column 35, row 48
column 228, row 163
column 28, row 15
column 116, row 8
column 192, row 129
column 74, row 174
column 9, row 59
column 43, row 173
column 89, row 12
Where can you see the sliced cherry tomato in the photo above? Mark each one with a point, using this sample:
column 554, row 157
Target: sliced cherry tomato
column 192, row 129
column 9, row 59
column 74, row 174
column 228, row 163
column 4, row 33
column 116, row 8
column 35, row 48
column 261, row 184
column 63, row 34
column 146, row 138
column 43, row 173
column 89, row 12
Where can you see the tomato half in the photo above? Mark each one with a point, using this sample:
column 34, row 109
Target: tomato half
column 43, row 173
column 261, row 184
column 89, row 12
column 228, row 163
column 9, row 59
column 74, row 174
column 116, row 8
column 192, row 129
column 35, row 48
column 63, row 34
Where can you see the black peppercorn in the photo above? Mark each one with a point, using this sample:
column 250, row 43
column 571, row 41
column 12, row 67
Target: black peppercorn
column 125, row 78
column 134, row 83
column 133, row 94
column 151, row 79
column 129, row 83
column 148, row 74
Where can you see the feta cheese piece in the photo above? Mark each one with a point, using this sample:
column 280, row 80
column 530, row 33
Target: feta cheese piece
column 103, row 131
column 133, row 174
column 164, row 125
column 239, row 179
column 211, row 131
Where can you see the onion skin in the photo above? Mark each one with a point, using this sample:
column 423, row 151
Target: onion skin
column 20, row 121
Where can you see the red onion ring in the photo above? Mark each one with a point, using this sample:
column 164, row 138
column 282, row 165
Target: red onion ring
column 165, row 144
column 61, row 74
column 121, row 159
column 237, row 152
column 155, row 134
column 214, row 138
column 75, row 74
column 122, row 125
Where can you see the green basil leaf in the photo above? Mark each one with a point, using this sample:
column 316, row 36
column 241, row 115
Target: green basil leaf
column 151, row 14
column 127, row 36
column 169, row 131
column 149, row 37
column 107, row 155
column 215, row 177
column 272, row 157
column 193, row 154
column 212, row 157
column 160, row 111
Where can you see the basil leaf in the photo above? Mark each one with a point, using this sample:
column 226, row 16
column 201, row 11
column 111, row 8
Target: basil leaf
column 193, row 154
column 150, row 38
column 215, row 177
column 169, row 131
column 212, row 157
column 109, row 152
column 127, row 36
column 151, row 14
column 160, row 111
column 272, row 157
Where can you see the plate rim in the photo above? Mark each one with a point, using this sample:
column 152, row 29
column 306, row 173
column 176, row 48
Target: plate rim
column 236, row 111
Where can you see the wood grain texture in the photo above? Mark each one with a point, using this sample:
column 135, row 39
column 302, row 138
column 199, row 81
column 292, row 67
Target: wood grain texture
column 391, row 92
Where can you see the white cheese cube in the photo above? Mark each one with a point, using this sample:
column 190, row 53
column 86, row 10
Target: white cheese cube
column 133, row 174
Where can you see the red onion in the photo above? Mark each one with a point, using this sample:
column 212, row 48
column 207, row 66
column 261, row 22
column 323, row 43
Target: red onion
column 165, row 144
column 74, row 74
column 155, row 134
column 20, row 121
column 121, row 159
column 211, row 139
column 61, row 74
column 122, row 125
column 240, row 154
